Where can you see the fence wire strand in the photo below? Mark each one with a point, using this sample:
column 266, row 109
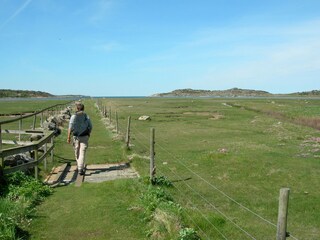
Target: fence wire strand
column 202, row 197
column 211, row 185
column 194, row 206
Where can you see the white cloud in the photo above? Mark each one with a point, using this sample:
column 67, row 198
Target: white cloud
column 290, row 63
column 265, row 57
column 16, row 13
column 101, row 9
column 108, row 47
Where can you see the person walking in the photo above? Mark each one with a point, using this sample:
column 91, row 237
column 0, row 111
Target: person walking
column 80, row 127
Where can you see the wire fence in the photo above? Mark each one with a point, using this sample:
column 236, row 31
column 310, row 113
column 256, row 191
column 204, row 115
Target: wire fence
column 198, row 194
column 140, row 140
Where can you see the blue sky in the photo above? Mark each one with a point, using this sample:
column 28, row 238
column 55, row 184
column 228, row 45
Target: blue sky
column 142, row 47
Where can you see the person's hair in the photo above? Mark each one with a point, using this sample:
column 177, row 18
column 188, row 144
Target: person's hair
column 79, row 106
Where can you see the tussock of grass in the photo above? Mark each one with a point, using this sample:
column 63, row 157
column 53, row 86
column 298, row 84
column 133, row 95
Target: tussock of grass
column 164, row 217
column 164, row 225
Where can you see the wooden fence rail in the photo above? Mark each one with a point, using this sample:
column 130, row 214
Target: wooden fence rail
column 32, row 114
column 34, row 147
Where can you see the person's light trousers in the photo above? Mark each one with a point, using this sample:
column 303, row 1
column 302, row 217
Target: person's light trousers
column 80, row 145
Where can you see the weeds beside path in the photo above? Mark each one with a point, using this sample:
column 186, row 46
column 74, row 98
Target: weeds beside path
column 94, row 210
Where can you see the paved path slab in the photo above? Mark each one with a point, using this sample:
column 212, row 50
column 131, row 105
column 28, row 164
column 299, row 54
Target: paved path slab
column 108, row 172
column 93, row 173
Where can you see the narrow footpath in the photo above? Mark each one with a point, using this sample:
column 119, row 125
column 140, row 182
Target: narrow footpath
column 95, row 210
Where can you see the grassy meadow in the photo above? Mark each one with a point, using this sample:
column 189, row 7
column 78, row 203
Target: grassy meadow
column 224, row 159
column 26, row 106
column 227, row 160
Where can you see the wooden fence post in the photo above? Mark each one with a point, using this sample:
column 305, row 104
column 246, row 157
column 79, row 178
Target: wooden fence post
column 282, row 214
column 41, row 122
column 36, row 170
column 128, row 132
column 152, row 154
column 34, row 121
column 110, row 116
column 117, row 123
column 0, row 138
column 20, row 126
column 2, row 159
column 45, row 159
column 52, row 143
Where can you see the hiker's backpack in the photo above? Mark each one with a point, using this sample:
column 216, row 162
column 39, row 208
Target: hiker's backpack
column 81, row 125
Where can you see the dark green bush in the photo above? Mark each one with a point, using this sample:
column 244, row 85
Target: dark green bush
column 162, row 181
column 188, row 234
column 19, row 195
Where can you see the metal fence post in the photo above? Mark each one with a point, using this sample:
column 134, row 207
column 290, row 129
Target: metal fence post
column 282, row 233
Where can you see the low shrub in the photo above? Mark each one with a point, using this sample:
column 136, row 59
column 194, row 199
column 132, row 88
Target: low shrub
column 162, row 181
column 19, row 195
column 188, row 234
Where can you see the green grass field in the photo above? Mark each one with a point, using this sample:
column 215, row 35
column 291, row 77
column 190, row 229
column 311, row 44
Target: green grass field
column 26, row 106
column 204, row 144
column 225, row 163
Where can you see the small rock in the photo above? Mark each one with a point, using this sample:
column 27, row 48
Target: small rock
column 222, row 150
column 35, row 138
column 15, row 160
column 144, row 118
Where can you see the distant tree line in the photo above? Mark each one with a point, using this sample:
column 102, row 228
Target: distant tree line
column 22, row 93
